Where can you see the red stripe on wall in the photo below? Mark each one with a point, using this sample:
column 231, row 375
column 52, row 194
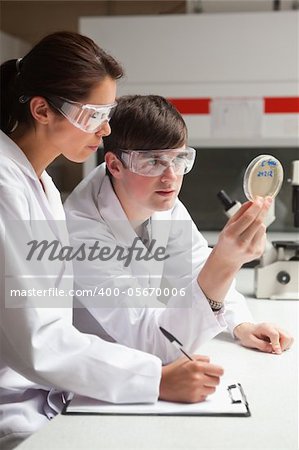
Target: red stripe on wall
column 272, row 105
column 192, row 105
column 281, row 105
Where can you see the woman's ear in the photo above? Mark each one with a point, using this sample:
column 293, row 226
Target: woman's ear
column 114, row 165
column 40, row 110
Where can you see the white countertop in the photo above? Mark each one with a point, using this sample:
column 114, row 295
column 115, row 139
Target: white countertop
column 211, row 236
column 270, row 382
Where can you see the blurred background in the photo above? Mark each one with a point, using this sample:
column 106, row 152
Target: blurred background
column 230, row 67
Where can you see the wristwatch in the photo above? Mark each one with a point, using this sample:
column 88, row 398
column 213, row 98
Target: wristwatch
column 216, row 306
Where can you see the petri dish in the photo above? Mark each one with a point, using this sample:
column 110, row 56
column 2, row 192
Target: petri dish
column 263, row 177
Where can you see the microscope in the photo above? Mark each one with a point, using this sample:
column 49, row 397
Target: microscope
column 277, row 274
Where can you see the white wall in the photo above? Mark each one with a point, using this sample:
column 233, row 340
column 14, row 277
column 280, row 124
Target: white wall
column 11, row 47
column 247, row 55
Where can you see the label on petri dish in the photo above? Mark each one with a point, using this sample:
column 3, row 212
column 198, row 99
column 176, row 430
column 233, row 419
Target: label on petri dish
column 263, row 177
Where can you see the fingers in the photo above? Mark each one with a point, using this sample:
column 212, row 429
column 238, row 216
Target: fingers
column 258, row 224
column 209, row 369
column 261, row 345
column 286, row 340
column 202, row 398
column 240, row 212
column 252, row 239
column 276, row 348
column 201, row 366
column 189, row 381
column 199, row 358
column 208, row 374
column 272, row 333
column 206, row 383
column 265, row 337
column 253, row 216
column 280, row 339
column 210, row 381
column 258, row 242
column 208, row 390
column 202, row 358
column 212, row 369
column 244, row 220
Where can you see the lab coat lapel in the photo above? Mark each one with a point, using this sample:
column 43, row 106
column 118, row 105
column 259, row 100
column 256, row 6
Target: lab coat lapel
column 49, row 200
column 114, row 216
column 54, row 204
column 54, row 211
column 161, row 225
column 10, row 150
column 148, row 272
column 117, row 222
column 160, row 229
column 47, row 214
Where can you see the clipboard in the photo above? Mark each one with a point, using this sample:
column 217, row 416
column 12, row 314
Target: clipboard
column 228, row 400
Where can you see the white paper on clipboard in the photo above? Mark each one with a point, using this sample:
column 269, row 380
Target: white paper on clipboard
column 228, row 400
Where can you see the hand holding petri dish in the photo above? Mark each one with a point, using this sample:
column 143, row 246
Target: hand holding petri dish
column 263, row 177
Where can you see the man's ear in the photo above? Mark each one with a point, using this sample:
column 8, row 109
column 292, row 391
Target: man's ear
column 40, row 110
column 114, row 165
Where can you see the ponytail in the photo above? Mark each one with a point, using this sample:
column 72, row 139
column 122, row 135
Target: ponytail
column 10, row 109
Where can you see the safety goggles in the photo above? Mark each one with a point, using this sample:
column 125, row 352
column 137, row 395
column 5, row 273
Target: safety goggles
column 152, row 163
column 89, row 118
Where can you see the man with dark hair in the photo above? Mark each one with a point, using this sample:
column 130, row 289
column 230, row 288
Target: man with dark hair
column 133, row 199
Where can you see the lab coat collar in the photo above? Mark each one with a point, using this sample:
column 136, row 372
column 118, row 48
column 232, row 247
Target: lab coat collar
column 53, row 204
column 114, row 215
column 10, row 149
column 52, row 207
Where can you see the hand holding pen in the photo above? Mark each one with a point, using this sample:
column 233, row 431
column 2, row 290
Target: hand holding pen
column 189, row 379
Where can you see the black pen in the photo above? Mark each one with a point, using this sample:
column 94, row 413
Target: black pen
column 175, row 342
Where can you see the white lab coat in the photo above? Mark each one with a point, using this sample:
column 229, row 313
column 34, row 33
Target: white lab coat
column 42, row 354
column 94, row 213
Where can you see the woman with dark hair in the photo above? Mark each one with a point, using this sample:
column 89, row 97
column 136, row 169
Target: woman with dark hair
column 58, row 100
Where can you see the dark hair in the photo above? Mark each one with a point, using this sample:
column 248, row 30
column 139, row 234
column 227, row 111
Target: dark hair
column 62, row 64
column 145, row 122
